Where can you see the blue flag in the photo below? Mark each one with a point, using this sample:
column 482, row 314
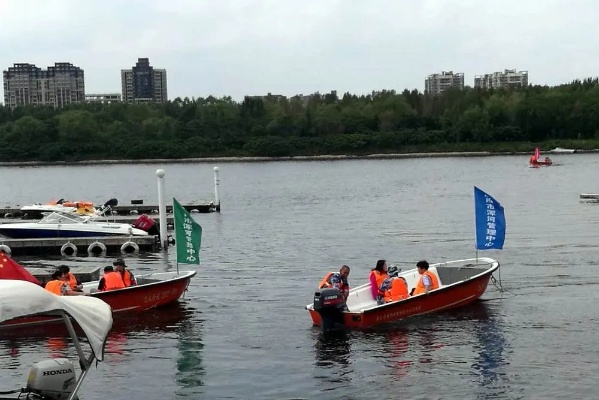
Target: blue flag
column 490, row 221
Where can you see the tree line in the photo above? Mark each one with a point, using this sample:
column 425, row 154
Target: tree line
column 384, row 121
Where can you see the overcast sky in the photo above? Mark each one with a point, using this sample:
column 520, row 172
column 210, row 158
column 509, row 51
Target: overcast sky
column 239, row 47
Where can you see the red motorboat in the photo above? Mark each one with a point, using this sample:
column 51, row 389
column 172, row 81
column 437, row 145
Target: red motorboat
column 460, row 282
column 535, row 160
column 152, row 291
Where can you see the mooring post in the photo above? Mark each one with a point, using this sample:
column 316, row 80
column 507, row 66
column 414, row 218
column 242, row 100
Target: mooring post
column 216, row 184
column 162, row 209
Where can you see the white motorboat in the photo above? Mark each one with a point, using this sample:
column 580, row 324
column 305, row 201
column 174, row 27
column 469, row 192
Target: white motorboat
column 67, row 224
column 561, row 150
column 56, row 378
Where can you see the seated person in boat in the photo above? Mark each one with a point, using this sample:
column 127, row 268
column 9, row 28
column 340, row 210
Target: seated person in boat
column 71, row 279
column 60, row 286
column 427, row 282
column 395, row 287
column 111, row 280
column 120, row 267
column 337, row 280
column 387, row 287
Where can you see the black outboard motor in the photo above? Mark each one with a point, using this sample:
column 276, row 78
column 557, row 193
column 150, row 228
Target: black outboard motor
column 330, row 304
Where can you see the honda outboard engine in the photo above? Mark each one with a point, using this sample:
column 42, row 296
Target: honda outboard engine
column 147, row 224
column 52, row 379
column 330, row 304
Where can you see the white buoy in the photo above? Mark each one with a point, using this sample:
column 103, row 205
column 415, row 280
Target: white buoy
column 216, row 184
column 162, row 209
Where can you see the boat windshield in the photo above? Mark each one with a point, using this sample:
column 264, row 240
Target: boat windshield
column 63, row 218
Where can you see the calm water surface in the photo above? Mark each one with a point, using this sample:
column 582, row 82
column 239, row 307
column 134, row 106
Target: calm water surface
column 242, row 332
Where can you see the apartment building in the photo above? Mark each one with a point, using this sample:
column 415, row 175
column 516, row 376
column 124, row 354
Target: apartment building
column 435, row 84
column 144, row 83
column 56, row 86
column 497, row 80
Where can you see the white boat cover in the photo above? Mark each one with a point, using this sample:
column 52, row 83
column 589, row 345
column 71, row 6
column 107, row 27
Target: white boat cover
column 23, row 299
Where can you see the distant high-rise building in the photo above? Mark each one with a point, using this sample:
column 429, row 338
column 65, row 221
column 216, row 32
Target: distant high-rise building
column 435, row 84
column 144, row 83
column 496, row 80
column 57, row 86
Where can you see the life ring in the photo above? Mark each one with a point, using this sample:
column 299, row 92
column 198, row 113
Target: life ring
column 5, row 249
column 68, row 249
column 96, row 249
column 129, row 247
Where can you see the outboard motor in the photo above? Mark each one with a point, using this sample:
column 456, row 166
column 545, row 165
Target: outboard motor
column 147, row 224
column 330, row 304
column 51, row 379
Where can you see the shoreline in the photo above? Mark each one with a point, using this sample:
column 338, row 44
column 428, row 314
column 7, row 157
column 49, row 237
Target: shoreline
column 330, row 157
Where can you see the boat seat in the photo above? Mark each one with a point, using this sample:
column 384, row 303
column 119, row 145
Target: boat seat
column 450, row 275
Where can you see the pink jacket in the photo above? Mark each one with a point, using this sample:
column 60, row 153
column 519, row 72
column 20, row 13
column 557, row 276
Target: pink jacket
column 373, row 286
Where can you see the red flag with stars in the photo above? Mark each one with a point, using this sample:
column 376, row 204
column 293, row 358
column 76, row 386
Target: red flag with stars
column 10, row 269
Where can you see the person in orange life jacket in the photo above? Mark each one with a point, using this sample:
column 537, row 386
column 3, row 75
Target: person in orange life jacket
column 394, row 287
column 428, row 281
column 111, row 280
column 377, row 277
column 128, row 278
column 337, row 280
column 59, row 285
column 71, row 279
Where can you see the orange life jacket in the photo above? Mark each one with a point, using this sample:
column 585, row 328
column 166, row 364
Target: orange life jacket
column 420, row 286
column 72, row 281
column 112, row 281
column 55, row 286
column 325, row 283
column 380, row 278
column 398, row 291
column 126, row 276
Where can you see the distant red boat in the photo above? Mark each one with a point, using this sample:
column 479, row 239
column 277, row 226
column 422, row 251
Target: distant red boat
column 152, row 291
column 460, row 282
column 536, row 162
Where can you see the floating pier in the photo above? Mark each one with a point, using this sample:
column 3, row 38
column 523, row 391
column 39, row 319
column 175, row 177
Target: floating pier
column 71, row 247
column 133, row 209
column 137, row 205
column 108, row 245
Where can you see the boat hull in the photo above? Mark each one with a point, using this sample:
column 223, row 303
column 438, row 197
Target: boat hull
column 445, row 298
column 26, row 233
column 133, row 299
column 541, row 164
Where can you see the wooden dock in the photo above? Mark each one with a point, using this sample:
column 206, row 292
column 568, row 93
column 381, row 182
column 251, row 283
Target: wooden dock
column 83, row 274
column 133, row 209
column 71, row 247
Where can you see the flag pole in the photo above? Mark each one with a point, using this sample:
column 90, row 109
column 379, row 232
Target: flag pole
column 176, row 238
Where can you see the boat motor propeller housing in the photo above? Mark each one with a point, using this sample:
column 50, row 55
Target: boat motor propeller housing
column 330, row 304
column 52, row 379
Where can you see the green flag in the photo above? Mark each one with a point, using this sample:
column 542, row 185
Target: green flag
column 188, row 235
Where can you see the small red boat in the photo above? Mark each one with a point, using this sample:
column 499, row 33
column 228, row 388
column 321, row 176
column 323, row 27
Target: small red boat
column 536, row 162
column 460, row 282
column 152, row 291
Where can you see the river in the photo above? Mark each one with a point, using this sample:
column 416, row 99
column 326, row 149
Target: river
column 241, row 331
